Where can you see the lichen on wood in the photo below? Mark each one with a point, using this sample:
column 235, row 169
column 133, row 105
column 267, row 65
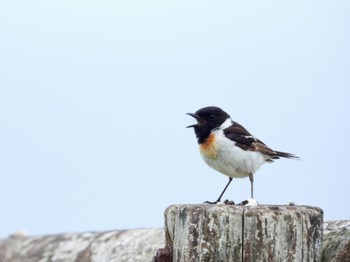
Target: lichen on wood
column 336, row 241
column 113, row 246
column 239, row 233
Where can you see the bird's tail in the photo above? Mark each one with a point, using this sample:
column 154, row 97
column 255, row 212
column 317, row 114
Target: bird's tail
column 285, row 155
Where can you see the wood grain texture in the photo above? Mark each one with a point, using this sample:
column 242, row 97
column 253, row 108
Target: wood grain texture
column 113, row 246
column 238, row 233
column 336, row 241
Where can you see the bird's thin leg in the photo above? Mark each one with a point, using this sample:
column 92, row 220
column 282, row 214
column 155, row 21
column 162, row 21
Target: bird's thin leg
column 251, row 178
column 222, row 193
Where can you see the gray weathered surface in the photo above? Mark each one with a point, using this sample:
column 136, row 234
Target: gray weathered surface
column 336, row 241
column 142, row 244
column 239, row 233
column 125, row 245
column 204, row 232
column 282, row 233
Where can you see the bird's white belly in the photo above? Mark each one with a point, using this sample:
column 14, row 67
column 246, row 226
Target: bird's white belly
column 230, row 159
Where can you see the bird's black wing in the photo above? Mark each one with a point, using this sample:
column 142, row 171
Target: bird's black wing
column 245, row 140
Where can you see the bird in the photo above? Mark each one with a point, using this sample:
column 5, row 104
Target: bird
column 227, row 147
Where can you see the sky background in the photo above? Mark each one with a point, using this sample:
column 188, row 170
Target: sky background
column 94, row 96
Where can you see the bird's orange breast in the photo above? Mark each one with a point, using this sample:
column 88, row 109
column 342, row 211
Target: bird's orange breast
column 208, row 148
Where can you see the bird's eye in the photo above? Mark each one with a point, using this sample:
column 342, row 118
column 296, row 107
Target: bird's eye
column 211, row 117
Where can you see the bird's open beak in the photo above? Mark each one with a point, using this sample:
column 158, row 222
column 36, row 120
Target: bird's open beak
column 199, row 120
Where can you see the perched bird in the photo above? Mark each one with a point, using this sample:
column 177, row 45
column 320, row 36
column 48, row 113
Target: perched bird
column 229, row 148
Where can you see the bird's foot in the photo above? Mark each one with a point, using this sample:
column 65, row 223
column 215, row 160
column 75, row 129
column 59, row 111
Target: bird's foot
column 229, row 202
column 249, row 202
column 212, row 203
column 226, row 202
column 243, row 203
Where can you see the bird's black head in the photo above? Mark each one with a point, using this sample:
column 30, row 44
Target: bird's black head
column 208, row 118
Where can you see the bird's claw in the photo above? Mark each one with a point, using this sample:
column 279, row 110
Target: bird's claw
column 249, row 202
column 243, row 203
column 226, row 202
column 229, row 202
column 211, row 203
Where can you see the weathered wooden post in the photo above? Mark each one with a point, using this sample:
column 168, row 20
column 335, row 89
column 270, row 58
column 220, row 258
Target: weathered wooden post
column 242, row 233
column 336, row 241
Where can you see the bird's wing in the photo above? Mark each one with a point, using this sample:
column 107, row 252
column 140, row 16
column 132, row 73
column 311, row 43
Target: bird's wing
column 246, row 141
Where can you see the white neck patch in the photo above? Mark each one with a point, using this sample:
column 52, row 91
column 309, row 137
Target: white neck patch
column 226, row 124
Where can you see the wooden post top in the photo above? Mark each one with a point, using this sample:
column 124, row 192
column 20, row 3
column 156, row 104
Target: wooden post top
column 203, row 232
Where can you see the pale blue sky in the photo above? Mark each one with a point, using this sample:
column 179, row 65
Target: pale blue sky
column 93, row 96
